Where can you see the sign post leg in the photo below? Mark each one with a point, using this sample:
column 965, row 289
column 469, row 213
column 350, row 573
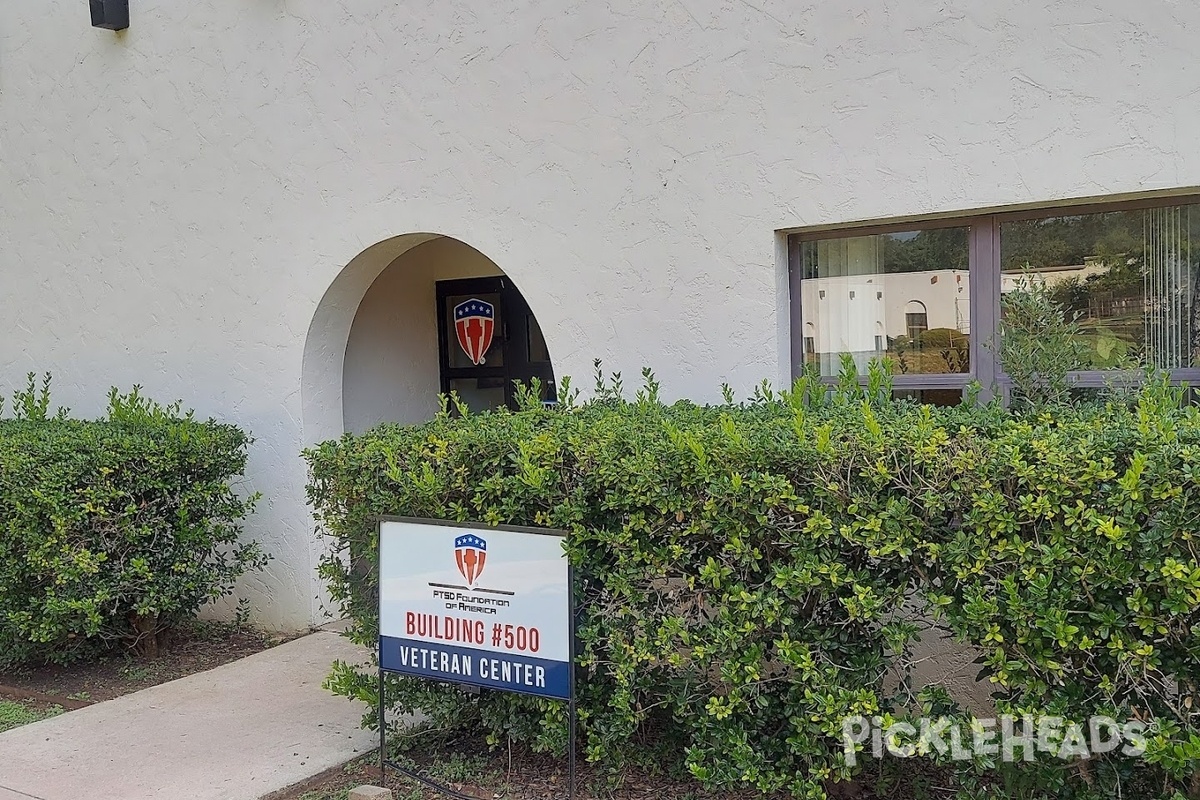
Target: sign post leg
column 571, row 746
column 382, row 736
column 573, row 650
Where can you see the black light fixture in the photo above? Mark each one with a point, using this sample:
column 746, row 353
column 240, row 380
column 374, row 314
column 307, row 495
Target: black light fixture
column 112, row 15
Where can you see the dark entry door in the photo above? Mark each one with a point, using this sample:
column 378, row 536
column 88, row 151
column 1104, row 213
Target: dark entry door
column 487, row 340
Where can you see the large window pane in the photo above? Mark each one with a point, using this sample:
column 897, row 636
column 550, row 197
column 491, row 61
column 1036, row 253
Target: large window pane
column 479, row 394
column 1128, row 279
column 902, row 297
column 932, row 397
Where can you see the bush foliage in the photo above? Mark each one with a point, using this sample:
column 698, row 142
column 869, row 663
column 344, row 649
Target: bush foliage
column 112, row 531
column 749, row 574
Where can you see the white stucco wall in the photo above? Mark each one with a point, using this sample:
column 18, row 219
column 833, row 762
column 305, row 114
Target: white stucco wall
column 176, row 201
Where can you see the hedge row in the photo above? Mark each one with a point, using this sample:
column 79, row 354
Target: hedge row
column 113, row 531
column 747, row 573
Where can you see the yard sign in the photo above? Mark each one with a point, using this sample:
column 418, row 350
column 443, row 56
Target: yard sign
column 487, row 607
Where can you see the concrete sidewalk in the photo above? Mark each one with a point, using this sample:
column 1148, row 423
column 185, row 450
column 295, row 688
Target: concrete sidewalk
column 233, row 733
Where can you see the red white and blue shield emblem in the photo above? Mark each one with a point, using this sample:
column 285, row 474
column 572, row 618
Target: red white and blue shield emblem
column 470, row 552
column 475, row 322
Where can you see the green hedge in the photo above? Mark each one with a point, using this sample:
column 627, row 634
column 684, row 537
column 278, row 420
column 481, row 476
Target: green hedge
column 113, row 531
column 747, row 573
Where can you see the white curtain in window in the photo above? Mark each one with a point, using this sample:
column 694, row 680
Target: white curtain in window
column 1172, row 314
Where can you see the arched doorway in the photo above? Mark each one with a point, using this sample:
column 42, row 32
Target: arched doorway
column 407, row 319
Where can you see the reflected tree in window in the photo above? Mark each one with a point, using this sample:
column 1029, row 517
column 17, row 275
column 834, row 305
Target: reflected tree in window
column 1128, row 278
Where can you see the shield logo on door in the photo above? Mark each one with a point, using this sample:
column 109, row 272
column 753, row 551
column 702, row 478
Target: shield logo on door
column 475, row 322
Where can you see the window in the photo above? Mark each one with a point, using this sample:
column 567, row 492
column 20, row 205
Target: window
column 1127, row 274
column 504, row 326
column 916, row 319
column 928, row 335
column 1128, row 278
column 916, row 324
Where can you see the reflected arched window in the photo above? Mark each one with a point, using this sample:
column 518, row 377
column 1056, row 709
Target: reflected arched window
column 916, row 318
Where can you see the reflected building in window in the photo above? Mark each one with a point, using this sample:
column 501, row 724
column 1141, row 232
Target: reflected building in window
column 904, row 297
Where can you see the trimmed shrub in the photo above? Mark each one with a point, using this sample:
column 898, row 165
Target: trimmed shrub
column 1073, row 566
column 747, row 573
column 113, row 531
column 942, row 338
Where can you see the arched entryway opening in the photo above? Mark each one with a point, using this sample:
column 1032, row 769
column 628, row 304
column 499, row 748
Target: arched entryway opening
column 407, row 319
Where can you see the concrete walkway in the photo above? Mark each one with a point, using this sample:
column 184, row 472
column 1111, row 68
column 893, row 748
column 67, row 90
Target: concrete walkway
column 233, row 733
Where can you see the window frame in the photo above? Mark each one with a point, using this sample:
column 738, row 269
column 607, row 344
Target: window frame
column 512, row 337
column 914, row 330
column 984, row 283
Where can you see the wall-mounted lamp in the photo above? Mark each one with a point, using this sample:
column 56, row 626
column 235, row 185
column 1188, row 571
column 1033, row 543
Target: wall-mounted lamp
column 110, row 14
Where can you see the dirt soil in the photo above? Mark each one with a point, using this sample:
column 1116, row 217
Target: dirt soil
column 532, row 778
column 199, row 647
column 469, row 769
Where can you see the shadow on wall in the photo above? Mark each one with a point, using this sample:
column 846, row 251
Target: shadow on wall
column 939, row 660
column 391, row 363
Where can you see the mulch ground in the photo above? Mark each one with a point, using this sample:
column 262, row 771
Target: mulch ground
column 198, row 647
column 470, row 769
column 528, row 776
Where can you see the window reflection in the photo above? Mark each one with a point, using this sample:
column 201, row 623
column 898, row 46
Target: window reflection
column 538, row 352
column 902, row 297
column 1127, row 279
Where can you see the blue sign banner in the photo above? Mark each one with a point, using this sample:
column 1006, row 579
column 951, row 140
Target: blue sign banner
column 486, row 669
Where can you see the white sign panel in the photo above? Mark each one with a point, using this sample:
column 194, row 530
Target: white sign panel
column 482, row 606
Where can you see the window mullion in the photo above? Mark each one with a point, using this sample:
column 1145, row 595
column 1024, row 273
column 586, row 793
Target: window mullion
column 796, row 317
column 985, row 303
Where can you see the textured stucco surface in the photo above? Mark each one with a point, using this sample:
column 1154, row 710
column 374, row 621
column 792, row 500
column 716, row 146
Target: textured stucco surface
column 178, row 201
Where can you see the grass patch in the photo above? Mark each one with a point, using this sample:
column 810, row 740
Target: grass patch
column 14, row 715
